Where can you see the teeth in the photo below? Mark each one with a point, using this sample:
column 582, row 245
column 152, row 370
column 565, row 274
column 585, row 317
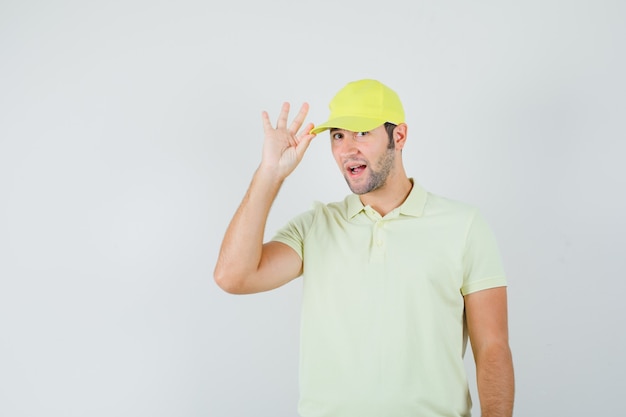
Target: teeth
column 354, row 167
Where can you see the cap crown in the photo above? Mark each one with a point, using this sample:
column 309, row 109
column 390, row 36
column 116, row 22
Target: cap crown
column 369, row 99
column 363, row 105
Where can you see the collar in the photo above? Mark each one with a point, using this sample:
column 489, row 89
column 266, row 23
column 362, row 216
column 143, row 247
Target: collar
column 412, row 206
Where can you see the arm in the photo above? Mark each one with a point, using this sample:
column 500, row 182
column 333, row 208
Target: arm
column 246, row 265
column 486, row 314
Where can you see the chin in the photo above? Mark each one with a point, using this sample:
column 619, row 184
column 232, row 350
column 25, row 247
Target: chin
column 360, row 190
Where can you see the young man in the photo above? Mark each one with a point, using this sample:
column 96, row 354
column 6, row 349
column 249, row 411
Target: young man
column 395, row 278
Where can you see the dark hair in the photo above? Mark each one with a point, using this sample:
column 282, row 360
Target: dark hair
column 389, row 127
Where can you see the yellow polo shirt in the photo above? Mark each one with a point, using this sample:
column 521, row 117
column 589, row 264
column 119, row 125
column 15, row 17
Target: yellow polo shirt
column 382, row 327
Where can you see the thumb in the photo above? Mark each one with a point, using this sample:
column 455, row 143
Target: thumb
column 305, row 140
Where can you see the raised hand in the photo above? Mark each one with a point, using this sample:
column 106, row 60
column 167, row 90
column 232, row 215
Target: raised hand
column 284, row 147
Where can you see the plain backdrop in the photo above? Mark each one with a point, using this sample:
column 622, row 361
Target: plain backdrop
column 129, row 131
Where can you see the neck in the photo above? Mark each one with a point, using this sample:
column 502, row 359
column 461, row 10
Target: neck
column 389, row 196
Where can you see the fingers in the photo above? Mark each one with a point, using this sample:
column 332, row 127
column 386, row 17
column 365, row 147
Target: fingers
column 267, row 125
column 299, row 119
column 305, row 133
column 283, row 116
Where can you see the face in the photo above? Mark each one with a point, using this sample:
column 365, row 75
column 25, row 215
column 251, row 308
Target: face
column 365, row 158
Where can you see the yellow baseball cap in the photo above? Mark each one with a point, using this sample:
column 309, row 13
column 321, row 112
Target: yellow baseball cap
column 361, row 106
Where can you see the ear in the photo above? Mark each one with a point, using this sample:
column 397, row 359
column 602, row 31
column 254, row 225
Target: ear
column 399, row 135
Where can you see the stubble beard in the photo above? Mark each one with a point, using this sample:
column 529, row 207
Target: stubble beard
column 378, row 177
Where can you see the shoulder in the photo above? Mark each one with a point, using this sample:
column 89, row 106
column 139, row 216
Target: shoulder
column 450, row 214
column 437, row 205
column 320, row 211
column 336, row 209
column 465, row 219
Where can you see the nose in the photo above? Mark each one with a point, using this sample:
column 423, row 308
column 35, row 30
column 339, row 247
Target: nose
column 348, row 146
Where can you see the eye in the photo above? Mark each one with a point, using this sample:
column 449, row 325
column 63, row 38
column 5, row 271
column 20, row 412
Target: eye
column 337, row 136
column 362, row 133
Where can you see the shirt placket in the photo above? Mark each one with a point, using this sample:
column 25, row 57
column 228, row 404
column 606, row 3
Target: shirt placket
column 378, row 244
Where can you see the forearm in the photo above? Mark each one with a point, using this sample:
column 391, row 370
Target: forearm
column 242, row 245
column 495, row 380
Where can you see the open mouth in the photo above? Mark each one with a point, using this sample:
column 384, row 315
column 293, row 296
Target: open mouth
column 355, row 170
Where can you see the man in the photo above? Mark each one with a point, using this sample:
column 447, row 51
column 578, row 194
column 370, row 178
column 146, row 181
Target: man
column 395, row 278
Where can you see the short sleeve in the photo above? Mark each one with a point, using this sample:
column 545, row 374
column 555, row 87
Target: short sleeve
column 294, row 232
column 482, row 264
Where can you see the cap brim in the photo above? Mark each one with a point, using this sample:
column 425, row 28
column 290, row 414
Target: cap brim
column 351, row 123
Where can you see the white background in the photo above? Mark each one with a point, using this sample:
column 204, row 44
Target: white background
column 129, row 131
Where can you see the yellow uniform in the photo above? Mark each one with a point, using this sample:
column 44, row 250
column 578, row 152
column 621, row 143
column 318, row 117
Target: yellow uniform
column 383, row 330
